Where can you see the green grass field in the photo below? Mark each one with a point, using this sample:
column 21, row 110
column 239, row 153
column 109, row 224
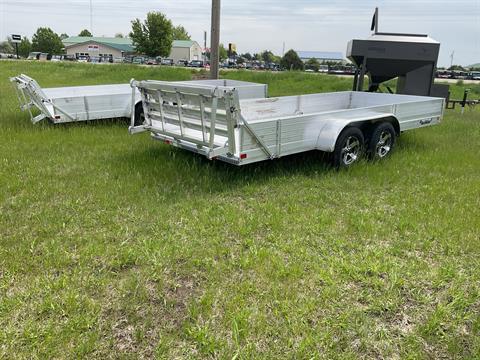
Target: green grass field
column 116, row 246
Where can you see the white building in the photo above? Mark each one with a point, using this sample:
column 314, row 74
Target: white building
column 185, row 50
column 118, row 47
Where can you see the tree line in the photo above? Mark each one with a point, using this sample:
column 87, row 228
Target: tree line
column 153, row 37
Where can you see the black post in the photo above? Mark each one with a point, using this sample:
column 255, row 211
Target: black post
column 361, row 76
column 355, row 79
column 16, row 47
column 464, row 101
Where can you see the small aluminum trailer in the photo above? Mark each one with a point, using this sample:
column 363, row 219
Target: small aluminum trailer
column 83, row 103
column 217, row 123
column 73, row 103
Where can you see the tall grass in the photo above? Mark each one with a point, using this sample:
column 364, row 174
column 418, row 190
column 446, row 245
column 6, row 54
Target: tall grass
column 118, row 246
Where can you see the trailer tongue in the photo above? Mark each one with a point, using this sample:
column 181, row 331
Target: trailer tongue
column 215, row 122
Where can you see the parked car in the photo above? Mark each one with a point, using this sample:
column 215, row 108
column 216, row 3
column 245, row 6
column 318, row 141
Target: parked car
column 182, row 63
column 106, row 59
column 196, row 64
column 474, row 75
column 82, row 59
column 168, row 62
column 272, row 66
column 69, row 58
column 323, row 68
column 138, row 60
column 459, row 75
column 94, row 59
column 443, row 74
column 34, row 55
column 56, row 58
column 44, row 57
column 151, row 61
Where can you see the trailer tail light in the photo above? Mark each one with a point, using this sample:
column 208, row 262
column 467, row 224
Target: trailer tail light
column 243, row 156
column 168, row 142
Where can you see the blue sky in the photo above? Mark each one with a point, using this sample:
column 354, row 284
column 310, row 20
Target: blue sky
column 258, row 25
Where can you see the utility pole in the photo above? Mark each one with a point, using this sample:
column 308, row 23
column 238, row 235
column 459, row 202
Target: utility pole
column 205, row 46
column 451, row 58
column 215, row 40
column 91, row 17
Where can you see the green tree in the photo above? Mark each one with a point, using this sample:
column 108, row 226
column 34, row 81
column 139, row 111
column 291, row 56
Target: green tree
column 6, row 47
column 47, row 41
column 119, row 35
column 64, row 36
column 312, row 64
column 25, row 47
column 247, row 56
column 180, row 33
column 291, row 61
column 153, row 37
column 267, row 56
column 456, row 67
column 85, row 32
column 222, row 52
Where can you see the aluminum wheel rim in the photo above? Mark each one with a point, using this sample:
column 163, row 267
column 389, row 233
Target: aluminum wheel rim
column 351, row 150
column 384, row 144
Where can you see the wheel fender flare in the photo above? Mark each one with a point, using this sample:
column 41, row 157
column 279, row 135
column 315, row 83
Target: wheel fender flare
column 329, row 133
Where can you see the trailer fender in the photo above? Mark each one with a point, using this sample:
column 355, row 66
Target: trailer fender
column 330, row 132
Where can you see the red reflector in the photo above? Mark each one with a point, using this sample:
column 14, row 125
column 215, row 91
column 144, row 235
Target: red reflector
column 168, row 142
column 243, row 156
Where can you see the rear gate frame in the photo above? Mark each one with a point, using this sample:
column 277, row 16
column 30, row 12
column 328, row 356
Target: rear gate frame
column 161, row 99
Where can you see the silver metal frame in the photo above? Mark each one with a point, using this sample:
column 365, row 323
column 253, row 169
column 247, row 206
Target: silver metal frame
column 216, row 123
column 73, row 103
column 86, row 103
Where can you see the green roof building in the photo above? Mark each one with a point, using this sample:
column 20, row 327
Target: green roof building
column 80, row 46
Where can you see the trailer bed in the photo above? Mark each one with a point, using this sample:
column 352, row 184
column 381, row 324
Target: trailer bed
column 218, row 124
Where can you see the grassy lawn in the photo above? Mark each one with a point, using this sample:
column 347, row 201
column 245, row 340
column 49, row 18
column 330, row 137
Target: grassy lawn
column 116, row 246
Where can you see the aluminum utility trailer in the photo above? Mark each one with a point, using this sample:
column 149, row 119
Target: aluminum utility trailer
column 83, row 103
column 215, row 122
column 73, row 103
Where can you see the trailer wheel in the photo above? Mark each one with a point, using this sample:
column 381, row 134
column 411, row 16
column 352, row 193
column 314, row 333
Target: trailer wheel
column 382, row 141
column 139, row 115
column 349, row 148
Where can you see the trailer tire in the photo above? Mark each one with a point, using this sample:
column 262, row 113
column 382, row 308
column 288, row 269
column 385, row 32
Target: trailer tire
column 139, row 116
column 349, row 148
column 382, row 141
